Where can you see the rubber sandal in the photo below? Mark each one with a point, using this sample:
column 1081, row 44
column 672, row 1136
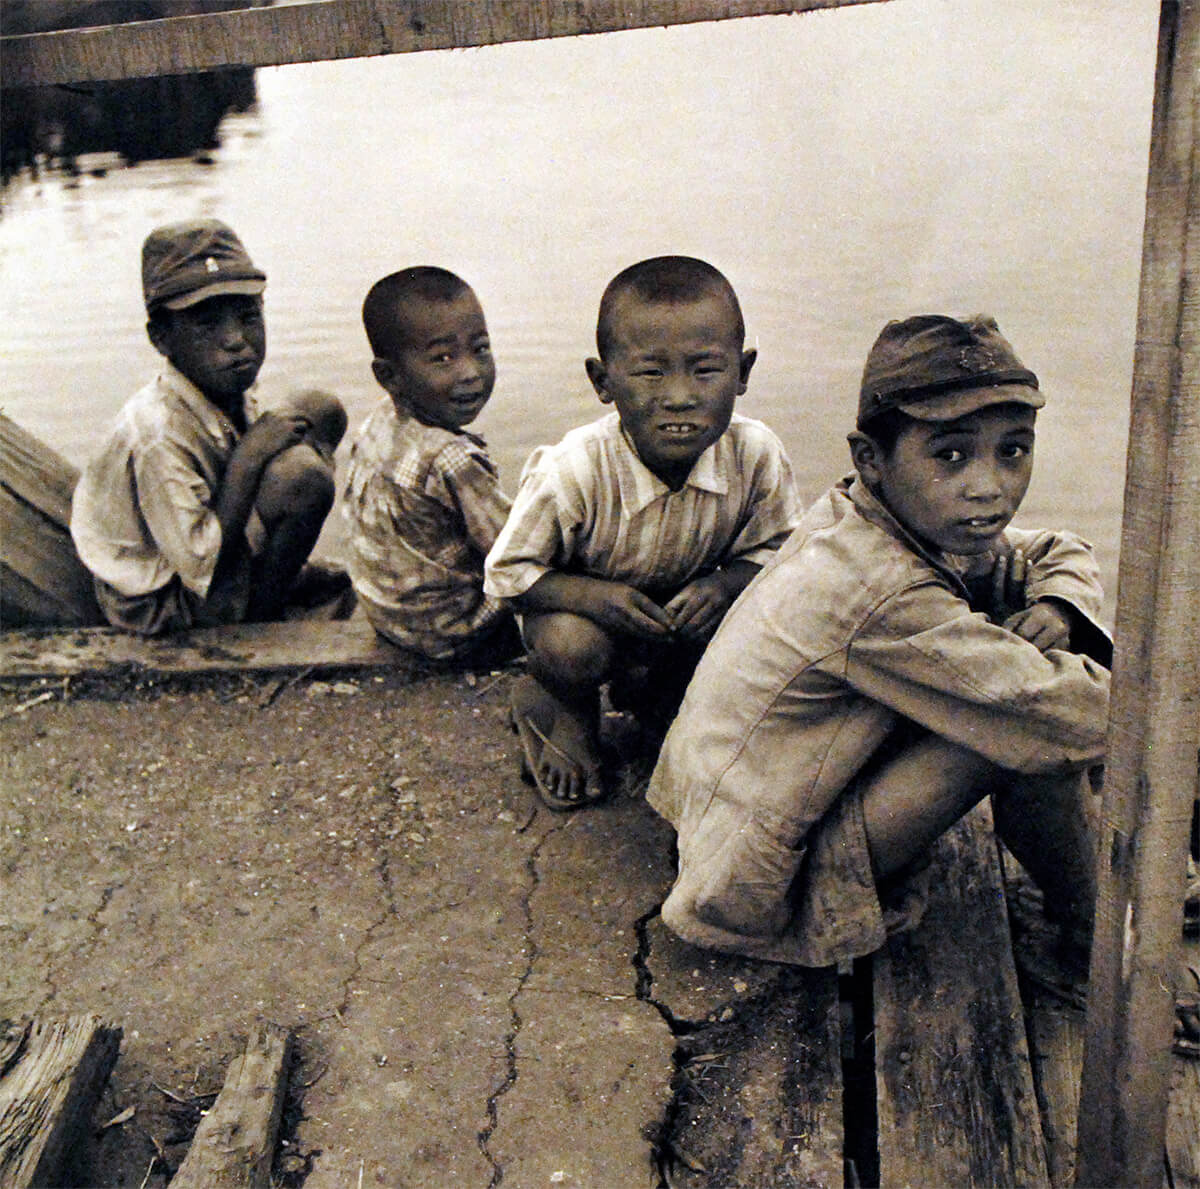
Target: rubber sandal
column 526, row 697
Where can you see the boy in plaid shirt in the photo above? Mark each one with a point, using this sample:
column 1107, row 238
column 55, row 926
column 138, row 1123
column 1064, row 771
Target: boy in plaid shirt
column 422, row 500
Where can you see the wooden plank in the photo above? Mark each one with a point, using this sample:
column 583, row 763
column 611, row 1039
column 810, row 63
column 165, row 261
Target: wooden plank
column 955, row 1094
column 1056, row 1050
column 235, row 1143
column 47, row 1095
column 36, row 474
column 343, row 29
column 765, row 1037
column 42, row 581
column 1154, row 727
column 282, row 647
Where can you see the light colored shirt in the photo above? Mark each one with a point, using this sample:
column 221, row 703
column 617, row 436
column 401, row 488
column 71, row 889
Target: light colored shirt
column 143, row 509
column 422, row 506
column 849, row 629
column 589, row 505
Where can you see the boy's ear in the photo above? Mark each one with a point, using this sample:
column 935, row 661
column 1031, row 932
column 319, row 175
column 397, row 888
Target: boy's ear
column 384, row 370
column 157, row 332
column 598, row 375
column 865, row 455
column 744, row 366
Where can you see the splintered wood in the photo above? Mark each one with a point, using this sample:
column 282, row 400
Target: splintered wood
column 235, row 1142
column 51, row 1076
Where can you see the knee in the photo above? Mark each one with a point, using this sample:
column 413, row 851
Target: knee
column 295, row 484
column 571, row 649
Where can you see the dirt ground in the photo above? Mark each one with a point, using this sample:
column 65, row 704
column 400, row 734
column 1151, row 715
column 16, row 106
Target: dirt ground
column 471, row 979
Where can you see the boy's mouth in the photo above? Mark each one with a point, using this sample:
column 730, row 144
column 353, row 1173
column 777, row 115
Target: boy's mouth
column 679, row 429
column 984, row 523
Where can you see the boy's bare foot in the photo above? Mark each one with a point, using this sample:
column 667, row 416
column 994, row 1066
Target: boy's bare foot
column 559, row 746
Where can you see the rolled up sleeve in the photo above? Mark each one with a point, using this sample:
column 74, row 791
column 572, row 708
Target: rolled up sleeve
column 926, row 656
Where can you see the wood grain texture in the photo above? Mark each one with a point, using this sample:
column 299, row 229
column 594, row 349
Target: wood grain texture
column 51, row 1086
column 343, row 29
column 954, row 1087
column 1154, row 722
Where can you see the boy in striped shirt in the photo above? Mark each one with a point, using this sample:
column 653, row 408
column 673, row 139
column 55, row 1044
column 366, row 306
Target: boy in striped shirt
column 630, row 539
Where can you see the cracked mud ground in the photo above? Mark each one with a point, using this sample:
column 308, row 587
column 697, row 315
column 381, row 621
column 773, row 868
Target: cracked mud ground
column 481, row 990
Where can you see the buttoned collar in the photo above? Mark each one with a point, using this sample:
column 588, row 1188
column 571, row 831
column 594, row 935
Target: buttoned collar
column 640, row 486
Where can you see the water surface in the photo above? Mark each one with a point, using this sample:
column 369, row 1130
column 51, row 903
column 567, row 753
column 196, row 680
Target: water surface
column 842, row 168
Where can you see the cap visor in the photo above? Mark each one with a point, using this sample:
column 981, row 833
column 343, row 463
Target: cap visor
column 247, row 288
column 949, row 406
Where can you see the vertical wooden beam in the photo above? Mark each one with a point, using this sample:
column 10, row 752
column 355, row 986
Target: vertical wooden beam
column 1155, row 714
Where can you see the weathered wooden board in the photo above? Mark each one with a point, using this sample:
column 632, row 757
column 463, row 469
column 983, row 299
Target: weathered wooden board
column 246, row 647
column 954, row 1087
column 343, row 29
column 235, row 1143
column 765, row 1041
column 42, row 581
column 51, row 1082
column 1056, row 1050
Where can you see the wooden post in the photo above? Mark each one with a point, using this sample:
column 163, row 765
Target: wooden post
column 1154, row 720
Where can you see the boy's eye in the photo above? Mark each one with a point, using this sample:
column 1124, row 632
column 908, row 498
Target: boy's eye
column 1015, row 450
column 441, row 357
column 483, row 349
column 950, row 454
column 648, row 372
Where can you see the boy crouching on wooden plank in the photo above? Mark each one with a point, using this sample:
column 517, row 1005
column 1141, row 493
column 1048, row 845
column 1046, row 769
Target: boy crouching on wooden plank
column 629, row 540
column 197, row 512
column 422, row 500
column 872, row 685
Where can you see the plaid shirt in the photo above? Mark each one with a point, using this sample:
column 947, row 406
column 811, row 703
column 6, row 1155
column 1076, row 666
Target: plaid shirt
column 422, row 505
column 142, row 511
column 589, row 505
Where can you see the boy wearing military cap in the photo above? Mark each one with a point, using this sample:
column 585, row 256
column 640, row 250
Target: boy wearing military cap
column 905, row 654
column 197, row 512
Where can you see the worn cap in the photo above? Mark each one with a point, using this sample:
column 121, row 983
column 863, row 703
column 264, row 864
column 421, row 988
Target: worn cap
column 186, row 263
column 936, row 368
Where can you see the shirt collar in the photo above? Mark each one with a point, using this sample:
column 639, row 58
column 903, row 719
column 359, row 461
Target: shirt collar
column 640, row 486
column 955, row 566
column 406, row 415
column 214, row 420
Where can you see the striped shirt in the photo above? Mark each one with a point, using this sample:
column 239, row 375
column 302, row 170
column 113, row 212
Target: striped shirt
column 422, row 506
column 589, row 505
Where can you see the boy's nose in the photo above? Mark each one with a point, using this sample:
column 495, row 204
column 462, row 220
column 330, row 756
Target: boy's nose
column 678, row 393
column 983, row 483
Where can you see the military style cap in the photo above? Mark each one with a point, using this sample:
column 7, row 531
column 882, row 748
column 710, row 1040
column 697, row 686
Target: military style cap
column 187, row 263
column 936, row 368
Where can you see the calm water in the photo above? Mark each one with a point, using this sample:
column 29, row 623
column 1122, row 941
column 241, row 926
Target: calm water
column 842, row 168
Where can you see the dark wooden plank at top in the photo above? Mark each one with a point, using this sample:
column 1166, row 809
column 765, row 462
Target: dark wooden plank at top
column 342, row 29
column 954, row 1087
